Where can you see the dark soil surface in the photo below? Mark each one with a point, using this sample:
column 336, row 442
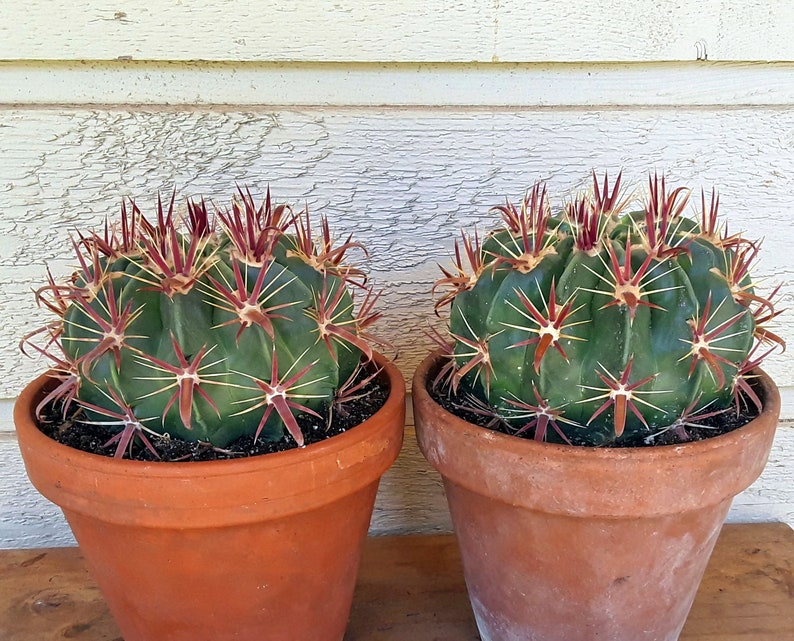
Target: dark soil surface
column 721, row 423
column 92, row 438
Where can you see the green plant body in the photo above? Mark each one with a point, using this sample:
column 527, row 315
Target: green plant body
column 603, row 324
column 207, row 326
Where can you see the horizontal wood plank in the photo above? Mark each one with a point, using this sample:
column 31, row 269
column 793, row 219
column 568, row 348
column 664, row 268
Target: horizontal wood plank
column 411, row 588
column 383, row 31
column 404, row 181
column 397, row 85
column 748, row 590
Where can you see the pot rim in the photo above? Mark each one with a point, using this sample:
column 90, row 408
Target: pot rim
column 771, row 407
column 23, row 410
column 277, row 482
column 489, row 462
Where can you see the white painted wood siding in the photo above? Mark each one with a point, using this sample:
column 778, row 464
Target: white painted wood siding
column 431, row 85
column 404, row 181
column 391, row 31
column 402, row 121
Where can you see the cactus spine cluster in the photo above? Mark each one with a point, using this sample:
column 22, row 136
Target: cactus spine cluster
column 601, row 324
column 207, row 326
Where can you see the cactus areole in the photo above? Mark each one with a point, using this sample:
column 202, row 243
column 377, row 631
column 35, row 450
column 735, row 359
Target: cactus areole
column 207, row 326
column 603, row 324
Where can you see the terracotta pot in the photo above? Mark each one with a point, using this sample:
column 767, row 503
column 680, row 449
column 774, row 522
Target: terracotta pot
column 257, row 549
column 564, row 543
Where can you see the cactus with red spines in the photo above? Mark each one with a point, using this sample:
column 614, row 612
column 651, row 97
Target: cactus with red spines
column 207, row 326
column 601, row 324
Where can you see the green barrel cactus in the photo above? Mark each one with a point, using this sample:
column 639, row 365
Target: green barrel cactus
column 207, row 326
column 602, row 324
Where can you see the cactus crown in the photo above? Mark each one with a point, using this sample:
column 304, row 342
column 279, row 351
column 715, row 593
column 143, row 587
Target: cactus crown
column 208, row 325
column 604, row 324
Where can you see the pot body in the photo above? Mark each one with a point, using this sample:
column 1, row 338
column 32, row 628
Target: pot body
column 564, row 543
column 258, row 549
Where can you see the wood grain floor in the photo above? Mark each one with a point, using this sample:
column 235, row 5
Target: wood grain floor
column 411, row 589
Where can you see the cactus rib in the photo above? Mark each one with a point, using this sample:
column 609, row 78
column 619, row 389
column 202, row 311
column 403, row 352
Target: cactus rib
column 211, row 325
column 652, row 315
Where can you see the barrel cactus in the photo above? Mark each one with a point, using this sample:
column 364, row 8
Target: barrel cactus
column 206, row 325
column 604, row 323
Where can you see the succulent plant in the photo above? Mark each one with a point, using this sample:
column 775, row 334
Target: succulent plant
column 604, row 323
column 207, row 325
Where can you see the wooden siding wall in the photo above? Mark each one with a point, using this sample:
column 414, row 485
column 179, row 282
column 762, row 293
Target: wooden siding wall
column 401, row 121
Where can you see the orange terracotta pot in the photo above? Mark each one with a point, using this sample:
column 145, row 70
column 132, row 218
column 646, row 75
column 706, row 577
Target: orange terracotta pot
column 258, row 549
column 564, row 543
